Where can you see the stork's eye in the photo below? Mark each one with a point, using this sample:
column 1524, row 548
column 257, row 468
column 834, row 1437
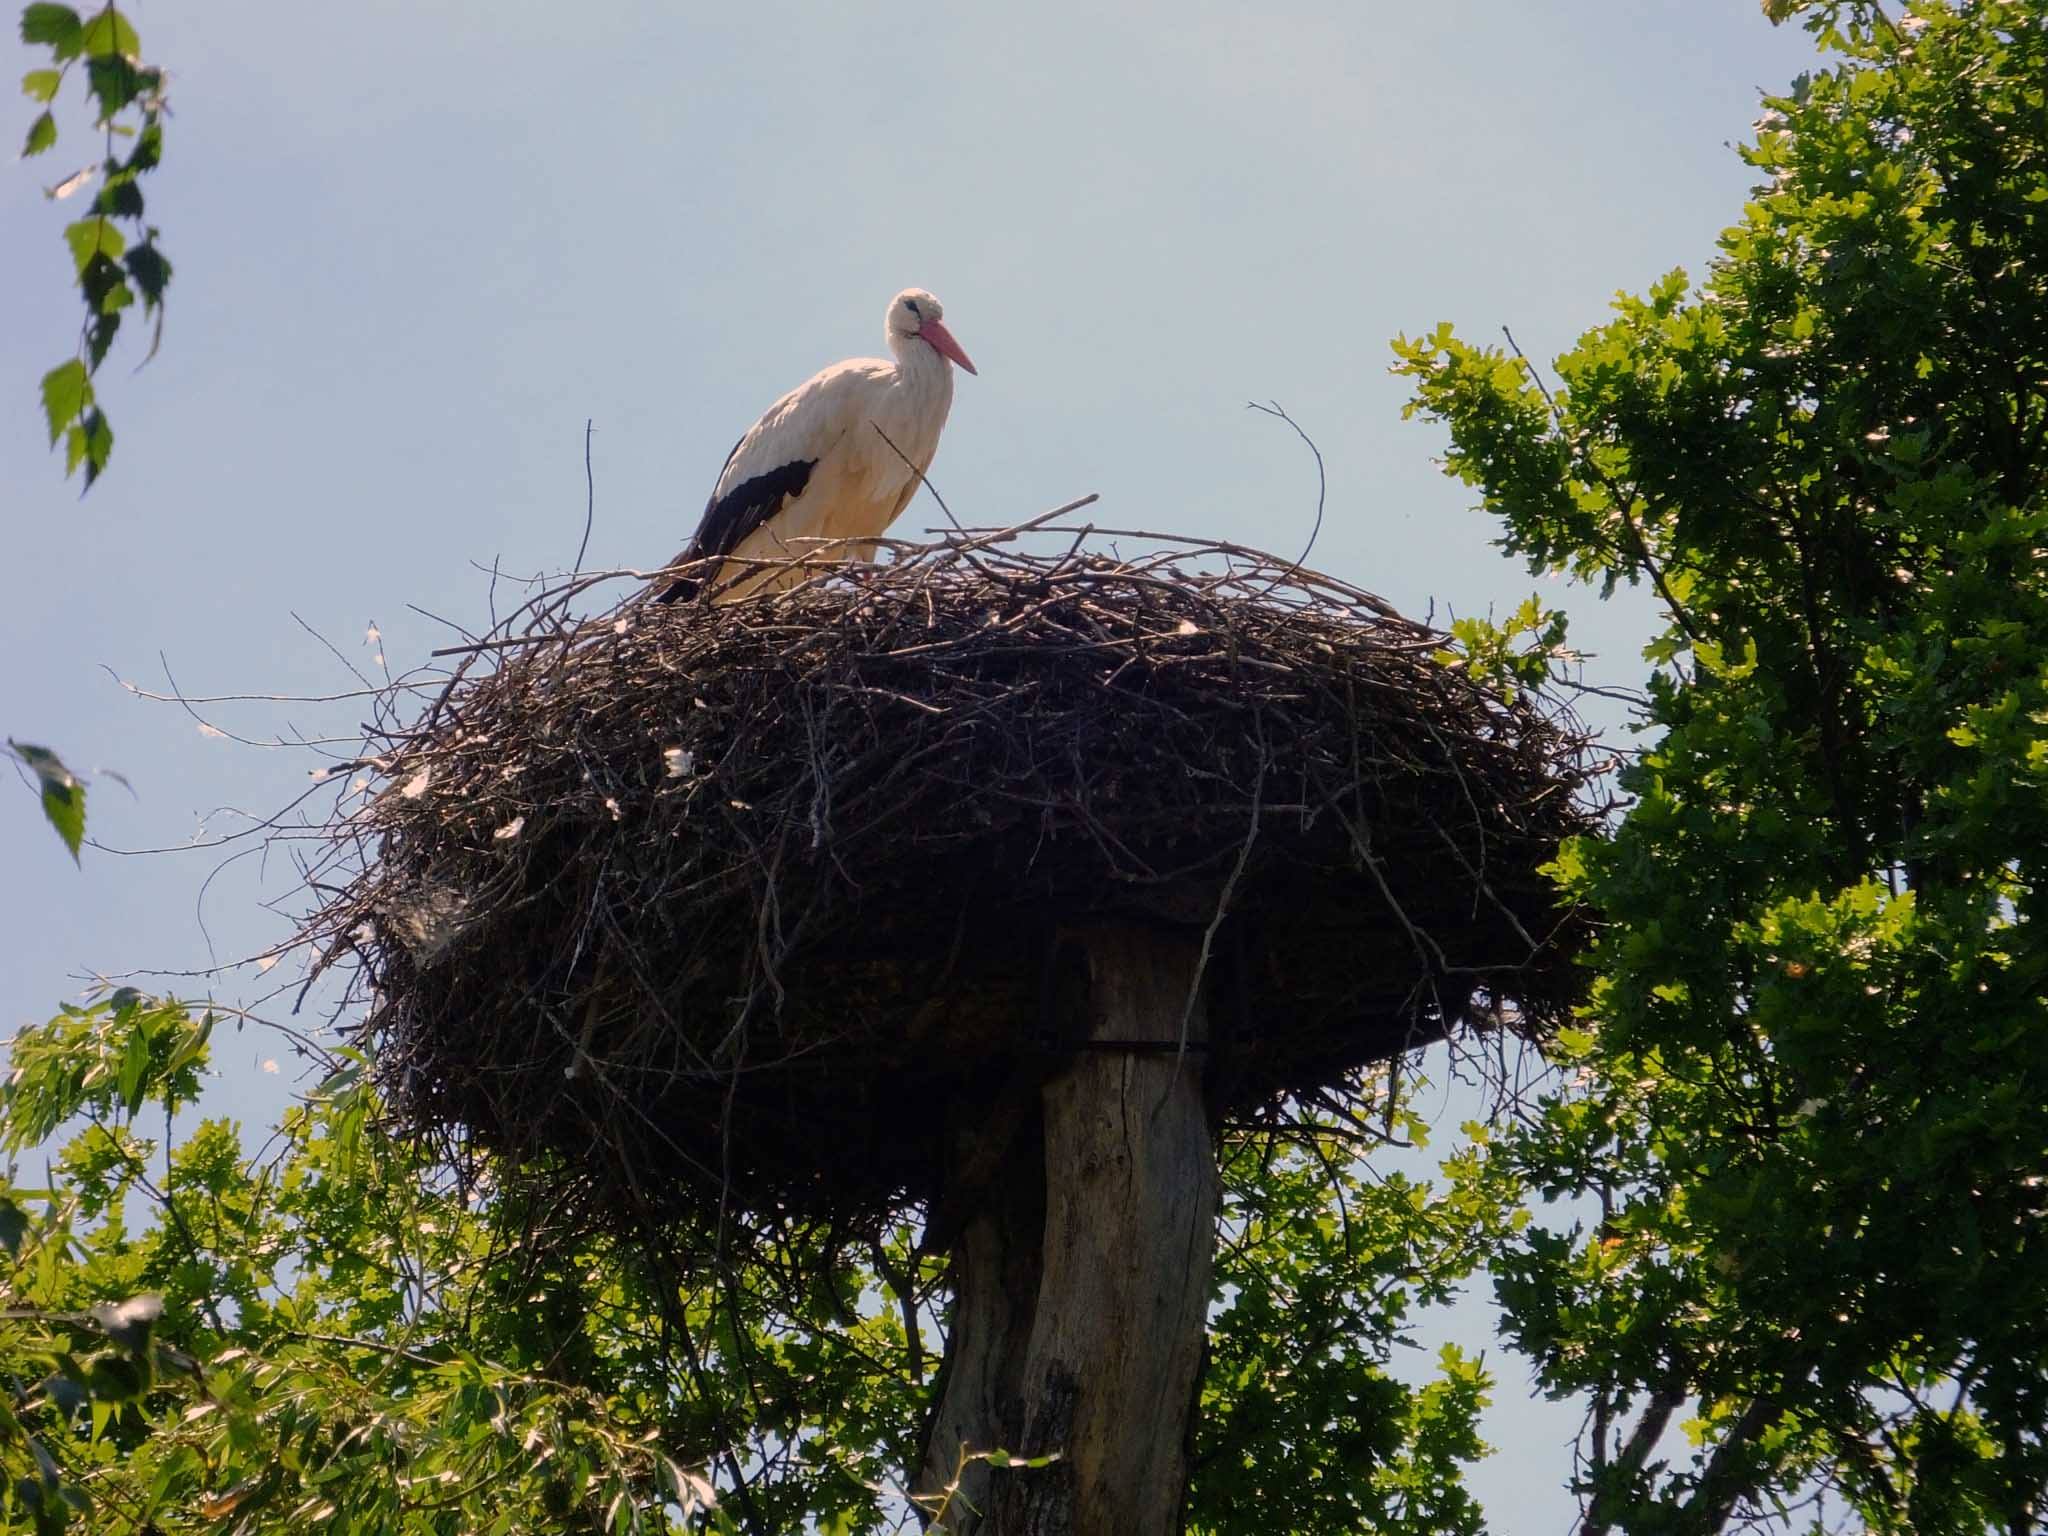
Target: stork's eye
column 911, row 305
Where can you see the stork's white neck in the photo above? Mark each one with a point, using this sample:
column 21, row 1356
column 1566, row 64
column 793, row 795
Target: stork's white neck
column 925, row 376
column 915, row 355
column 910, row 410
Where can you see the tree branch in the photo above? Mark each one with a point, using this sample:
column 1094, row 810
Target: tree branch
column 1613, row 1501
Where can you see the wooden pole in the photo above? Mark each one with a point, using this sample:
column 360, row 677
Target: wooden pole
column 995, row 1278
column 1108, row 1374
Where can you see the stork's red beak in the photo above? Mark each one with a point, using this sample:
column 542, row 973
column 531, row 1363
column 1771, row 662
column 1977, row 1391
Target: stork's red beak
column 943, row 343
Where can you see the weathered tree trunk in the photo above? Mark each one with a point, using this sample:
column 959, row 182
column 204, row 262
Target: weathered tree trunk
column 1103, row 1366
column 995, row 1275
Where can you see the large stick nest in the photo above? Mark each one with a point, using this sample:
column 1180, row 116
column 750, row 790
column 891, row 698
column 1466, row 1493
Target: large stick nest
column 736, row 909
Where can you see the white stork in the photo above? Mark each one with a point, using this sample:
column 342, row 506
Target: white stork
column 838, row 457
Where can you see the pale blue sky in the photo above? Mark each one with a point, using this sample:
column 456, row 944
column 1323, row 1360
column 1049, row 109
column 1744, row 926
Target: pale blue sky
column 418, row 244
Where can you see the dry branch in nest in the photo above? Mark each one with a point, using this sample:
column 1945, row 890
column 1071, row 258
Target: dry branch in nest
column 734, row 911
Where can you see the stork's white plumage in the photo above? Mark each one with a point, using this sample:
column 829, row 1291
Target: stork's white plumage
column 838, row 457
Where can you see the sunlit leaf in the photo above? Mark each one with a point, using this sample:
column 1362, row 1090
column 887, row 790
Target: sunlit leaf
column 94, row 239
column 67, row 390
column 42, row 133
column 108, row 32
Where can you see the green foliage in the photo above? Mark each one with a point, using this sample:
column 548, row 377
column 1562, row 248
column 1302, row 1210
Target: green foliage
column 63, row 793
column 1516, row 654
column 273, row 1348
column 113, row 269
column 56, row 26
column 1320, row 1266
column 67, row 391
column 1811, row 1101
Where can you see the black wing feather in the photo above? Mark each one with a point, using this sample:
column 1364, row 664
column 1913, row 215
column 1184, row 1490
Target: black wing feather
column 728, row 519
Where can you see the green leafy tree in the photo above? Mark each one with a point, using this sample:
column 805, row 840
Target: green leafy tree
column 113, row 269
column 1812, row 1092
column 1319, row 1271
column 194, row 1339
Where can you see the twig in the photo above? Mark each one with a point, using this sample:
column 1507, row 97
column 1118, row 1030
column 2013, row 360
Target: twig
column 589, row 497
column 1006, row 534
column 922, row 478
column 1272, row 408
column 332, row 650
column 1244, row 854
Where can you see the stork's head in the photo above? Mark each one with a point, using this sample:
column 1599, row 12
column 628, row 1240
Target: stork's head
column 916, row 315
